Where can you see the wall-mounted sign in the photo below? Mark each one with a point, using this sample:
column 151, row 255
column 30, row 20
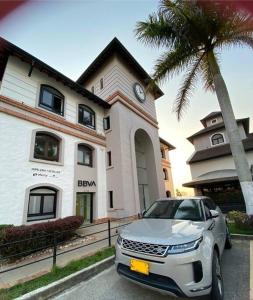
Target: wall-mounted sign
column 85, row 183
column 46, row 173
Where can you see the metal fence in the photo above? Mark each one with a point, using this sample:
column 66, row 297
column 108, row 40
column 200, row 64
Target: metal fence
column 56, row 242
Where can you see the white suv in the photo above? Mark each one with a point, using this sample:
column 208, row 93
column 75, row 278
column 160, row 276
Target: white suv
column 176, row 248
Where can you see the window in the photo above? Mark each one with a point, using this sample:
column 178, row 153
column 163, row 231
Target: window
column 109, row 158
column 92, row 89
column 214, row 121
column 84, row 156
column 207, row 212
column 51, row 99
column 111, row 199
column 86, row 116
column 47, row 147
column 168, row 194
column 217, row 139
column 101, row 83
column 107, row 123
column 42, row 204
column 165, row 174
column 162, row 153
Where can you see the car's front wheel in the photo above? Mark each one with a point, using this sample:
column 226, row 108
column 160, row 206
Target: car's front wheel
column 217, row 292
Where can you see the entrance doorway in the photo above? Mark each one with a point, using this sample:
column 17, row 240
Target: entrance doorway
column 146, row 169
column 84, row 206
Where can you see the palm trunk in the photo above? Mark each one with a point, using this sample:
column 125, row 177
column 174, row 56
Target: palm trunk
column 237, row 149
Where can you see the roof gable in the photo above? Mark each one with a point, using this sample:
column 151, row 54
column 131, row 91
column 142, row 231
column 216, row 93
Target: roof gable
column 115, row 47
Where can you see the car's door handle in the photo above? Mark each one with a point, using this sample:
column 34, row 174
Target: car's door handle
column 211, row 227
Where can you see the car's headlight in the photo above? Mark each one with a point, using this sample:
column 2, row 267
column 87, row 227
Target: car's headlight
column 187, row 247
column 119, row 240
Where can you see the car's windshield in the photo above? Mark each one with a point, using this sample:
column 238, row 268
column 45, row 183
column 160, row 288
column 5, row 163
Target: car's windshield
column 187, row 209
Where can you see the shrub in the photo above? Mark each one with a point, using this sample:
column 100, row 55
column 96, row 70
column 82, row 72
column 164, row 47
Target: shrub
column 37, row 236
column 241, row 220
column 234, row 214
column 4, row 226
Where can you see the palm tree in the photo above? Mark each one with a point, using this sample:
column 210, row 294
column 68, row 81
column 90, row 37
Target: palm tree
column 192, row 33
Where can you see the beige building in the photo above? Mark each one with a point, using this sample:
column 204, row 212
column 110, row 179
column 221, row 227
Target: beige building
column 88, row 147
column 212, row 166
column 166, row 167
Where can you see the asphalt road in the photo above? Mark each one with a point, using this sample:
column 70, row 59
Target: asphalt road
column 109, row 286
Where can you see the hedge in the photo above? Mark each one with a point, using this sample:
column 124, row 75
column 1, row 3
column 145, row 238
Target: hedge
column 241, row 220
column 37, row 236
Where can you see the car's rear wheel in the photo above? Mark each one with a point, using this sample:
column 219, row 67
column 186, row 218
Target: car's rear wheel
column 228, row 243
column 217, row 292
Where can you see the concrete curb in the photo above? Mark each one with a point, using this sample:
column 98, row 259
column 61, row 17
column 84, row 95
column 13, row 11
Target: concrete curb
column 57, row 287
column 236, row 236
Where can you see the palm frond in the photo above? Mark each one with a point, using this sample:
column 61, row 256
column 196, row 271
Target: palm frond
column 235, row 40
column 173, row 63
column 186, row 89
column 156, row 31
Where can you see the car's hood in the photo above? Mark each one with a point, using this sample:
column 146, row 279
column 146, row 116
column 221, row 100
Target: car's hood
column 163, row 232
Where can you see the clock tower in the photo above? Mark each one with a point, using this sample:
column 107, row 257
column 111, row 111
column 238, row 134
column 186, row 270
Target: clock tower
column 134, row 173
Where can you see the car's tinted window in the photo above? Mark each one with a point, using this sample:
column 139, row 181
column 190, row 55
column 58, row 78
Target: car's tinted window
column 207, row 211
column 209, row 203
column 187, row 209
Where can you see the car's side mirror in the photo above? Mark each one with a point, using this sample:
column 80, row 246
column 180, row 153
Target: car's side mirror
column 142, row 213
column 214, row 213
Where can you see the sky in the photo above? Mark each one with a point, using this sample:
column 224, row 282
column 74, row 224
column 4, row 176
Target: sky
column 68, row 35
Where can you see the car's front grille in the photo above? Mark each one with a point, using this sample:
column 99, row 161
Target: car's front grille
column 145, row 248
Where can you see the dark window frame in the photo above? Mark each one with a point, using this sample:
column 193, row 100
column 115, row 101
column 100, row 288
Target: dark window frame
column 109, row 158
column 42, row 195
column 107, row 123
column 111, row 199
column 217, row 139
column 52, row 137
column 81, row 108
column 165, row 174
column 57, row 94
column 163, row 153
column 101, row 83
column 91, row 155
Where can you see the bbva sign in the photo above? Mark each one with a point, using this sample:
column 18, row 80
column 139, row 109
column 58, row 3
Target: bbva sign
column 86, row 183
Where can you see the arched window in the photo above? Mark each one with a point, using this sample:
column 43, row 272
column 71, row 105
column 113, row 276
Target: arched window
column 217, row 139
column 84, row 155
column 47, row 147
column 168, row 194
column 42, row 204
column 51, row 99
column 165, row 174
column 86, row 116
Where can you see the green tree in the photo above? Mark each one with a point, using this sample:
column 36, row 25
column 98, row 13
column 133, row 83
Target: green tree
column 192, row 34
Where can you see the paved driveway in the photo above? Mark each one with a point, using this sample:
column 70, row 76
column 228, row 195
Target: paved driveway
column 109, row 286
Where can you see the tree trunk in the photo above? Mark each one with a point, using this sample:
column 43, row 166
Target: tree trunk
column 237, row 149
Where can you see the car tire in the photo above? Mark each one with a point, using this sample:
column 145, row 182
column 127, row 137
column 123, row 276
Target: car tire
column 228, row 243
column 217, row 292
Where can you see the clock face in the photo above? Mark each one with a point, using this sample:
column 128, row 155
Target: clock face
column 139, row 92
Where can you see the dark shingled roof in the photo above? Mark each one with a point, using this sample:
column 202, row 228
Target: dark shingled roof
column 7, row 48
column 171, row 147
column 209, row 116
column 115, row 46
column 245, row 123
column 219, row 151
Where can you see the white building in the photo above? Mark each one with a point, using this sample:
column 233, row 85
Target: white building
column 89, row 147
column 212, row 165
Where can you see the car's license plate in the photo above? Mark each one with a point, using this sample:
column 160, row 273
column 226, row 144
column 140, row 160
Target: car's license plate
column 139, row 266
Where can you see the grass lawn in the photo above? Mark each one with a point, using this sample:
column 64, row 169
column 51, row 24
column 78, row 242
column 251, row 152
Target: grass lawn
column 233, row 229
column 57, row 273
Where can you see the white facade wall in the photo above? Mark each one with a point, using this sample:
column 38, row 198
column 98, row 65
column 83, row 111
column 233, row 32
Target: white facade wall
column 17, row 173
column 220, row 163
column 18, row 86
